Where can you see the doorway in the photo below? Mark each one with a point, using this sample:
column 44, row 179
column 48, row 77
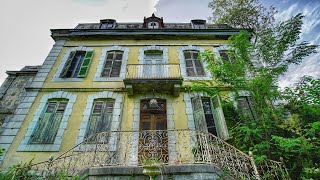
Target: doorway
column 153, row 137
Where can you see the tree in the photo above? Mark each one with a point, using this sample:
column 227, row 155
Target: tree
column 276, row 45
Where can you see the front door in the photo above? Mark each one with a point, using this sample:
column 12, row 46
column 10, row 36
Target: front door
column 153, row 138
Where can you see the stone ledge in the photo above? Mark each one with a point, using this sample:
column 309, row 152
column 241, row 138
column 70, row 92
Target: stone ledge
column 167, row 169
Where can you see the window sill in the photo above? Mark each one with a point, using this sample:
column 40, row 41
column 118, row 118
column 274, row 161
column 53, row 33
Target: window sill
column 108, row 79
column 67, row 79
column 39, row 148
column 205, row 78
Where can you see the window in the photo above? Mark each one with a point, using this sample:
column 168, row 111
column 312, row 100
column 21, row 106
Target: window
column 112, row 64
column 153, row 25
column 246, row 106
column 224, row 55
column 77, row 64
column 193, row 63
column 198, row 24
column 152, row 61
column 208, row 116
column 107, row 24
column 101, row 117
column 49, row 122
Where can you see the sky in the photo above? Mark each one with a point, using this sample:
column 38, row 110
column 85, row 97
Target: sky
column 25, row 25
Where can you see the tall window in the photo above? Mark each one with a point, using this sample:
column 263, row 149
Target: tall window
column 49, row 122
column 77, row 64
column 152, row 59
column 208, row 116
column 112, row 64
column 101, row 117
column 224, row 55
column 246, row 106
column 193, row 64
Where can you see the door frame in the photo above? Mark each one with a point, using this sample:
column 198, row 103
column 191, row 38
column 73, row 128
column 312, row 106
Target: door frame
column 136, row 123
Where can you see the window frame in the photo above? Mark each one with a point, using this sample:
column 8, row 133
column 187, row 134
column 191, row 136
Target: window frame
column 184, row 74
column 64, row 61
column 115, row 122
column 55, row 146
column 217, row 112
column 194, row 66
column 102, row 60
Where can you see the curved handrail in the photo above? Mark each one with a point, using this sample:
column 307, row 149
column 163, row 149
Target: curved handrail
column 138, row 148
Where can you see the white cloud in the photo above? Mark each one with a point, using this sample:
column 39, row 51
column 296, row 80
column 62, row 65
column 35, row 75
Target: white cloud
column 308, row 67
column 312, row 18
column 286, row 14
column 24, row 33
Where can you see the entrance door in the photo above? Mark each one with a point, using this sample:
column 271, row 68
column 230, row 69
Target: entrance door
column 153, row 139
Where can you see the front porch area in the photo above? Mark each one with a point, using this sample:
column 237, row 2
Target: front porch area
column 164, row 149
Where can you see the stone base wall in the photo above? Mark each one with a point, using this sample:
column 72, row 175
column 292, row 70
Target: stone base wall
column 174, row 172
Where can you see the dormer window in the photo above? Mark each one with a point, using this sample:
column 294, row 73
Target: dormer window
column 107, row 24
column 153, row 22
column 153, row 25
column 198, row 24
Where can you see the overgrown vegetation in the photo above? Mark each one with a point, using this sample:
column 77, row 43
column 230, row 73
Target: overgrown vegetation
column 271, row 132
column 25, row 172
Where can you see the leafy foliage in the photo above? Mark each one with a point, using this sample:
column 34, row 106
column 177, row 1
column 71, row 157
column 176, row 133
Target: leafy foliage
column 269, row 133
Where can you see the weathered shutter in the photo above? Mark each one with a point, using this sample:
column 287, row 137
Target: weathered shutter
column 116, row 65
column 245, row 104
column 100, row 118
column 198, row 114
column 48, row 124
column 85, row 64
column 198, row 64
column 222, row 129
column 189, row 63
column 67, row 65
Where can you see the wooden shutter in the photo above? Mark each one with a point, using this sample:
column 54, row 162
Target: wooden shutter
column 116, row 67
column 198, row 114
column 100, row 118
column 48, row 124
column 222, row 129
column 85, row 64
column 67, row 65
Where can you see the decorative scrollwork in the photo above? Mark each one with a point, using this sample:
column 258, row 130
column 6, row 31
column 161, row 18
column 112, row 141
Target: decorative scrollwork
column 122, row 148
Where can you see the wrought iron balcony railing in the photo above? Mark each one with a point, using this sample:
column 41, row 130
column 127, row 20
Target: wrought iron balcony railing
column 133, row 148
column 153, row 71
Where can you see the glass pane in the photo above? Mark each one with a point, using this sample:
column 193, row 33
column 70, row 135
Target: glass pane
column 189, row 63
column 160, row 126
column 187, row 55
column 51, row 107
column 119, row 56
column 200, row 71
column 198, row 63
column 145, row 125
column 195, row 55
column 190, row 72
column 110, row 55
column 62, row 106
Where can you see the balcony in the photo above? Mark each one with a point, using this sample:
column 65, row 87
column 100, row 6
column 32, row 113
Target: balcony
column 159, row 77
column 172, row 151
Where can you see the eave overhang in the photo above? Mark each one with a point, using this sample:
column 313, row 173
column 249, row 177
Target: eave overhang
column 73, row 34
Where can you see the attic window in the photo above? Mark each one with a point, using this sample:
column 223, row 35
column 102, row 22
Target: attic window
column 153, row 25
column 107, row 24
column 198, row 24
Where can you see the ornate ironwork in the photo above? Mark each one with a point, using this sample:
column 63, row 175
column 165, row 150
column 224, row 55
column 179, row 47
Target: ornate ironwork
column 153, row 71
column 127, row 148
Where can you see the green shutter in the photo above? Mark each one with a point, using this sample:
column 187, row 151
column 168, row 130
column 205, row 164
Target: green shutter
column 67, row 65
column 220, row 122
column 85, row 64
column 198, row 114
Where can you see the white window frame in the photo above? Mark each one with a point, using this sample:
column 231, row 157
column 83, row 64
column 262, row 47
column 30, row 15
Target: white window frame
column 189, row 109
column 183, row 68
column 26, row 146
column 56, row 77
column 102, row 59
column 116, row 117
